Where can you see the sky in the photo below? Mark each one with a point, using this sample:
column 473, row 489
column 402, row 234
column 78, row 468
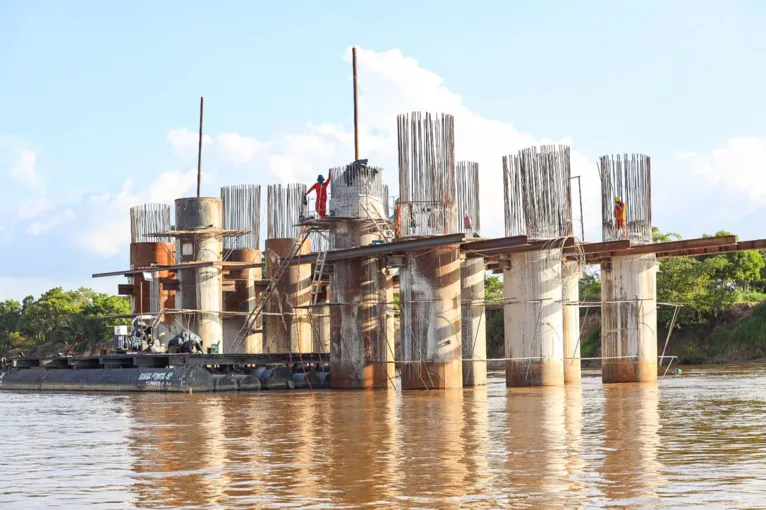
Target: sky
column 99, row 107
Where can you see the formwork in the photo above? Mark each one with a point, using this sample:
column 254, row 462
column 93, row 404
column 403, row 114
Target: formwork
column 628, row 283
column 145, row 251
column 538, row 205
column 288, row 328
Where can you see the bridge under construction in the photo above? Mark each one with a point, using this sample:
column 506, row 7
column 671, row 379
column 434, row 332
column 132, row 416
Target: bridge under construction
column 377, row 288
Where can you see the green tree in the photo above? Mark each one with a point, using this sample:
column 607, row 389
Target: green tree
column 590, row 286
column 10, row 313
column 493, row 289
column 74, row 318
column 737, row 269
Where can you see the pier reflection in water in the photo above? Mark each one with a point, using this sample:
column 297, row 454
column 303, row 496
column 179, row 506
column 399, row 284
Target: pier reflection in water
column 694, row 440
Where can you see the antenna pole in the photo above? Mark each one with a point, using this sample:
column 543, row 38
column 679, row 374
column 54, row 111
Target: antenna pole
column 199, row 148
column 356, row 108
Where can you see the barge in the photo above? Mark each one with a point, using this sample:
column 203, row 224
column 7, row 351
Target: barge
column 168, row 373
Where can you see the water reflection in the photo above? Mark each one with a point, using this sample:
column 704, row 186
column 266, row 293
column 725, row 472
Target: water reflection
column 696, row 440
column 536, row 443
column 575, row 443
column 631, row 468
column 431, row 427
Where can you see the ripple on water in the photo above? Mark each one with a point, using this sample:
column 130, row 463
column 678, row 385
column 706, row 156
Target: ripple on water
column 694, row 440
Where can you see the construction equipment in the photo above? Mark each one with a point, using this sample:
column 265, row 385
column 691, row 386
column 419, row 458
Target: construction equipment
column 284, row 264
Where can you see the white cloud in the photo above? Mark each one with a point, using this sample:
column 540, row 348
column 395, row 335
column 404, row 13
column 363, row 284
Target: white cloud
column 185, row 143
column 42, row 226
column 738, row 168
column 237, row 149
column 24, row 168
column 106, row 228
column 33, row 207
column 704, row 193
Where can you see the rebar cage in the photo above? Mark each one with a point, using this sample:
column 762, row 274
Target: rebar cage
column 627, row 176
column 427, row 187
column 538, row 201
column 242, row 211
column 148, row 219
column 468, row 217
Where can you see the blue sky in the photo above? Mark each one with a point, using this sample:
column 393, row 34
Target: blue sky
column 91, row 92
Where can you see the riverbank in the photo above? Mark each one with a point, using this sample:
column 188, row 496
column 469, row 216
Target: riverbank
column 741, row 337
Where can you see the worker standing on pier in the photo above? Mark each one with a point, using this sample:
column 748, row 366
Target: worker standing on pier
column 321, row 190
column 620, row 218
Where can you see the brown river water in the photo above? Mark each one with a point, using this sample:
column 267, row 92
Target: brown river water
column 693, row 440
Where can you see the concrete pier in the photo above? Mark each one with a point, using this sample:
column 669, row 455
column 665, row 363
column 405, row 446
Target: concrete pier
column 570, row 272
column 387, row 332
column 201, row 287
column 288, row 328
column 242, row 298
column 629, row 319
column 430, row 320
column 533, row 319
column 474, row 324
column 357, row 330
column 320, row 329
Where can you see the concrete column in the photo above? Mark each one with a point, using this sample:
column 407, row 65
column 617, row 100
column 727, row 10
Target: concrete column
column 288, row 328
column 430, row 320
column 356, row 336
column 474, row 324
column 243, row 299
column 570, row 272
column 386, row 324
column 533, row 319
column 629, row 319
column 320, row 329
column 201, row 288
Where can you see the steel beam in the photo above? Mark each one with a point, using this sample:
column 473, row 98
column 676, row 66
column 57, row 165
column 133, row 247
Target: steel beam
column 383, row 249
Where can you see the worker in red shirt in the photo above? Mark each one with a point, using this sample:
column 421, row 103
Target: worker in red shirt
column 321, row 190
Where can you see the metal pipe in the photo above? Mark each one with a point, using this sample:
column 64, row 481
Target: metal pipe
column 199, row 148
column 356, row 108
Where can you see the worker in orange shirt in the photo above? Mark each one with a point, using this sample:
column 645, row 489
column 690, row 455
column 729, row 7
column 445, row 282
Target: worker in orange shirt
column 620, row 218
column 321, row 190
